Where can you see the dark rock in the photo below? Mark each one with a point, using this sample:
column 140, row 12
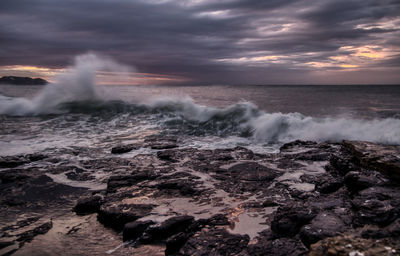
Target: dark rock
column 120, row 149
column 376, row 232
column 327, row 184
column 19, row 80
column 134, row 230
column 342, row 163
column 269, row 203
column 382, row 158
column 313, row 155
column 119, row 181
column 374, row 211
column 5, row 244
column 351, row 245
column 12, row 161
column 184, row 187
column 168, row 228
column 12, row 176
column 296, row 144
column 116, row 216
column 28, row 236
column 35, row 157
column 166, row 155
column 88, row 205
column 376, row 205
column 218, row 220
column 356, row 181
column 251, row 171
column 175, row 243
column 290, row 218
column 278, row 247
column 323, row 225
column 394, row 228
column 214, row 242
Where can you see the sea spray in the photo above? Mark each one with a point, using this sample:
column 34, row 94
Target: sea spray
column 282, row 128
column 77, row 83
column 75, row 92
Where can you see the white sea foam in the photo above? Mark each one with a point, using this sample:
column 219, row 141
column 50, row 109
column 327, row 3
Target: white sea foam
column 77, row 84
column 282, row 128
column 287, row 127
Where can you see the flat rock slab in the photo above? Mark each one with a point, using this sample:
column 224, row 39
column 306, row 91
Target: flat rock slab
column 120, row 149
column 251, row 171
column 214, row 242
column 383, row 158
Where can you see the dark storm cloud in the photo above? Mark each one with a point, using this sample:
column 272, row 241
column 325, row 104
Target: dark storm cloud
column 205, row 41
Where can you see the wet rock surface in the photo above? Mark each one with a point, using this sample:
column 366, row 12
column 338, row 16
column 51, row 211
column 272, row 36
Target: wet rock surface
column 310, row 198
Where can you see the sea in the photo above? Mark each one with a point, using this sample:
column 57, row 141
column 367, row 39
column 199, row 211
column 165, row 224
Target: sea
column 76, row 112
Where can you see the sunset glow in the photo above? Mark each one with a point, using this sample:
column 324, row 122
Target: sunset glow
column 209, row 42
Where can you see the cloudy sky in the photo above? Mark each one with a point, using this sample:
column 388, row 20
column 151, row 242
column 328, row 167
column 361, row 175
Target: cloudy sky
column 208, row 41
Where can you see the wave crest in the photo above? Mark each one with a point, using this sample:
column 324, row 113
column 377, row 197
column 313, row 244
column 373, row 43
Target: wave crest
column 75, row 92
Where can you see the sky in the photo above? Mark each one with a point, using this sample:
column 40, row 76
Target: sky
column 208, row 41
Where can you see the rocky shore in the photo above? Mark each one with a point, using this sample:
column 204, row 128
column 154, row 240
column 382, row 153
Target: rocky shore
column 308, row 199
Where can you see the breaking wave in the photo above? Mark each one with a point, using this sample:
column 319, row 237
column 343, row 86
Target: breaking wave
column 77, row 83
column 74, row 92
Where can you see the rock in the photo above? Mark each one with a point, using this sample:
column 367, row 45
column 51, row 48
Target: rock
column 120, row 149
column 118, row 181
column 356, row 181
column 166, row 155
column 116, row 216
column 5, row 244
column 183, row 186
column 252, row 171
column 35, row 157
column 313, row 155
column 12, row 176
column 28, row 236
column 342, row 163
column 394, row 228
column 218, row 220
column 134, row 230
column 168, row 228
column 290, row 218
column 12, row 161
column 214, row 242
column 383, row 158
column 374, row 211
column 323, row 225
column 278, row 247
column 88, row 205
column 328, row 184
column 269, row 203
column 376, row 205
column 376, row 232
column 175, row 243
column 354, row 246
column 294, row 145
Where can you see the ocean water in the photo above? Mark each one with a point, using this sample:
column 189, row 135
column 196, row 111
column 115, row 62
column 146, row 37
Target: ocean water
column 76, row 112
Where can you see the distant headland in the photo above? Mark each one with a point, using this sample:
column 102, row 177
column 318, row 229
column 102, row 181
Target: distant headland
column 18, row 80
